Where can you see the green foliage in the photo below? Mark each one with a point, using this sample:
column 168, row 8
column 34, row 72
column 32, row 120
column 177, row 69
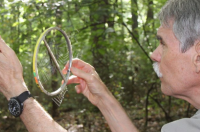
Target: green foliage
column 116, row 37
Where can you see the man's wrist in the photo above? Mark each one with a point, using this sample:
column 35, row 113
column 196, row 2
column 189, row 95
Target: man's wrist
column 15, row 104
column 106, row 100
column 16, row 90
column 28, row 102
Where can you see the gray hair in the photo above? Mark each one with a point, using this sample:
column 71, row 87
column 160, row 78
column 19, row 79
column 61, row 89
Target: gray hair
column 186, row 17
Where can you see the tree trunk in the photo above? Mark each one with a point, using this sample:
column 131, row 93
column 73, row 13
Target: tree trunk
column 100, row 17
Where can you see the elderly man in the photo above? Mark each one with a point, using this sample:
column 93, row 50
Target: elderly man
column 177, row 63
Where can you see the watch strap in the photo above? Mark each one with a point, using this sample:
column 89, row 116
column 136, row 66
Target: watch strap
column 23, row 96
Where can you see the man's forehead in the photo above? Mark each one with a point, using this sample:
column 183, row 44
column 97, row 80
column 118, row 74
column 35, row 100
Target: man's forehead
column 166, row 26
column 164, row 30
column 161, row 31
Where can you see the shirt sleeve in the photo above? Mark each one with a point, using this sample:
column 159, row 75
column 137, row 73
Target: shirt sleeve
column 183, row 125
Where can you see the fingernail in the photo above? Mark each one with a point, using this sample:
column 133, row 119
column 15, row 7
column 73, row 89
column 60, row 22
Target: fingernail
column 77, row 89
column 64, row 71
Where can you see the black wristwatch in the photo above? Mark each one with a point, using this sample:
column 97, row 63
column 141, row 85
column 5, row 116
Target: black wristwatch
column 15, row 104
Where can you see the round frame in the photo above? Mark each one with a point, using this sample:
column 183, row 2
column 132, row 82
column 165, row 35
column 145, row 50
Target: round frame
column 35, row 71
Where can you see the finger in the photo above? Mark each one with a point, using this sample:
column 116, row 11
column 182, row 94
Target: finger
column 82, row 84
column 81, row 87
column 82, row 74
column 64, row 70
column 80, row 65
column 78, row 89
column 73, row 79
column 7, row 51
column 3, row 46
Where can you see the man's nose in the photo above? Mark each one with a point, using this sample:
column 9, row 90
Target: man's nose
column 156, row 55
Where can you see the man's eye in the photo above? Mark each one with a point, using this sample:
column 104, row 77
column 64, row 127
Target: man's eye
column 162, row 43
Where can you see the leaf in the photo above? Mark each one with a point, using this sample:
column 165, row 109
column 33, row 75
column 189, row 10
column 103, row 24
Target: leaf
column 109, row 30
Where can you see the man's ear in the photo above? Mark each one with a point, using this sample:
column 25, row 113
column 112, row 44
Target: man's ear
column 197, row 57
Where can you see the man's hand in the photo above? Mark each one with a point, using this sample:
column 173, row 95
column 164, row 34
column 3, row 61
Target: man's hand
column 11, row 77
column 89, row 81
column 94, row 89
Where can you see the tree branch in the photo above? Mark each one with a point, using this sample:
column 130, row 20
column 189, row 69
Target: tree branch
column 131, row 33
column 137, row 41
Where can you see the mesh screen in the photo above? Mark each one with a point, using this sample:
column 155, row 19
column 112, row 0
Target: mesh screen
column 49, row 74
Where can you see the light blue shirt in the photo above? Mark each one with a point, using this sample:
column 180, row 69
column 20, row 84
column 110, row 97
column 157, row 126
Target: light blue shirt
column 184, row 125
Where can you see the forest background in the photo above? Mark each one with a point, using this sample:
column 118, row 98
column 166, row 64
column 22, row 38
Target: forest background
column 116, row 37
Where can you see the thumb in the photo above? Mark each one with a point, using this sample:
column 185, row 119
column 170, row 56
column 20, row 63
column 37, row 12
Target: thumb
column 81, row 74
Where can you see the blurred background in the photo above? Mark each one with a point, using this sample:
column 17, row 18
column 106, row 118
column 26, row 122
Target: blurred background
column 116, row 37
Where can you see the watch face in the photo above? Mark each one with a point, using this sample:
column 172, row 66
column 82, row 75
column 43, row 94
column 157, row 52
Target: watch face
column 14, row 107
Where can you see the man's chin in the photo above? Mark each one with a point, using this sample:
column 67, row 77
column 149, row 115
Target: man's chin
column 165, row 90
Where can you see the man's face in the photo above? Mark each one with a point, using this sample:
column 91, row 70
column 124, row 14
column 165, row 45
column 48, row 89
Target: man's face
column 177, row 68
